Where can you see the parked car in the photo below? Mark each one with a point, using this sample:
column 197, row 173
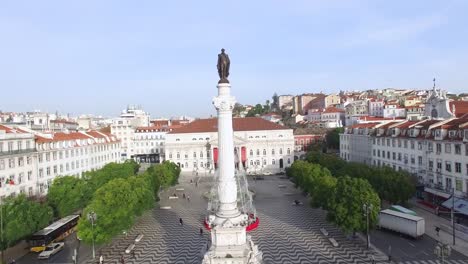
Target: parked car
column 267, row 173
column 51, row 250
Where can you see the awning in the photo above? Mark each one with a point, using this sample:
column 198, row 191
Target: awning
column 436, row 192
column 461, row 205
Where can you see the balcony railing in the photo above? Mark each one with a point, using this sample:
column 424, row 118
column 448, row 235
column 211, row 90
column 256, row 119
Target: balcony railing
column 16, row 152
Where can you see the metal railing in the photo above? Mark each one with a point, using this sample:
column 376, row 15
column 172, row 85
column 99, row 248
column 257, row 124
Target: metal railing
column 16, row 152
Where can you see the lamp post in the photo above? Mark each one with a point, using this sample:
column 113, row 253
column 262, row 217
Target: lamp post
column 92, row 217
column 367, row 208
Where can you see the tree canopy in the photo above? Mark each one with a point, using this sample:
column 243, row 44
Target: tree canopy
column 391, row 185
column 21, row 218
column 118, row 202
column 347, row 204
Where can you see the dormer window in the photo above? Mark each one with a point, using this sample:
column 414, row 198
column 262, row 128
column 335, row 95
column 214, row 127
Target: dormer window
column 437, row 133
column 423, row 132
column 452, row 133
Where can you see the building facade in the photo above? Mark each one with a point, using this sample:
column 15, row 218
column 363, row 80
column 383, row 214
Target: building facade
column 30, row 161
column 18, row 162
column 260, row 146
column 149, row 144
column 124, row 128
column 434, row 151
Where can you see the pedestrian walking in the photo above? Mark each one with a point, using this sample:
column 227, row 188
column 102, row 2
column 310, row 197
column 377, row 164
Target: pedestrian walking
column 201, row 231
column 101, row 259
column 122, row 259
column 181, row 221
column 184, row 195
column 188, row 198
column 437, row 229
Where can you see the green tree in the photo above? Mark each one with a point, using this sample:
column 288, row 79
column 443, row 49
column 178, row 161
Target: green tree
column 346, row 204
column 275, row 103
column 256, row 110
column 22, row 217
column 238, row 109
column 67, row 195
column 333, row 138
column 323, row 188
column 114, row 204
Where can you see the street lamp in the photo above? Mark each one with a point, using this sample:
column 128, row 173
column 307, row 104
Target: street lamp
column 367, row 208
column 92, row 217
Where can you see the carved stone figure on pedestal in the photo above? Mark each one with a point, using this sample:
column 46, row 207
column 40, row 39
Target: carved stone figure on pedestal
column 223, row 67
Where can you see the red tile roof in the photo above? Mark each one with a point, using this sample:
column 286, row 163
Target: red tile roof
column 407, row 124
column 61, row 136
column 12, row 130
column 461, row 107
column 332, row 109
column 389, row 124
column 427, row 124
column 376, row 118
column 239, row 124
column 7, row 129
column 160, row 123
column 364, row 125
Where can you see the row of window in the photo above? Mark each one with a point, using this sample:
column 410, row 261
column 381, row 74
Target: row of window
column 253, row 163
column 13, row 162
column 264, row 152
column 265, row 162
column 412, row 160
column 148, row 137
column 10, row 146
column 72, row 153
column 430, row 145
column 142, row 144
column 194, row 154
column 152, row 151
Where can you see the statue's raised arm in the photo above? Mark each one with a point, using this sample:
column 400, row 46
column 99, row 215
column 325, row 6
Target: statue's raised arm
column 223, row 67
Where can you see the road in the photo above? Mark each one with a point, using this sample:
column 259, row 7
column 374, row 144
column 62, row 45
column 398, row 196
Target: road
column 408, row 249
column 62, row 257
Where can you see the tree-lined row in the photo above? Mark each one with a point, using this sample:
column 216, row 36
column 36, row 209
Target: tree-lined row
column 343, row 197
column 120, row 201
column 393, row 186
column 115, row 193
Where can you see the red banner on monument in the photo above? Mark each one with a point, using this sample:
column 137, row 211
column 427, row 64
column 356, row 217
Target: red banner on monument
column 215, row 155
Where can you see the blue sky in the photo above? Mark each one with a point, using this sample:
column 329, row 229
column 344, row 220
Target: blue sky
column 98, row 56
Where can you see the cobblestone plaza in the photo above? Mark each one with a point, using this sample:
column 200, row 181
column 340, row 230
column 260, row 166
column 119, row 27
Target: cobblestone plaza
column 287, row 233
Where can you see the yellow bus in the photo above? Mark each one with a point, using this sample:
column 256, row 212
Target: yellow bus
column 55, row 232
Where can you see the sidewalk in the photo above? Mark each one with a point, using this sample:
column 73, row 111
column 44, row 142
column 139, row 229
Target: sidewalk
column 432, row 221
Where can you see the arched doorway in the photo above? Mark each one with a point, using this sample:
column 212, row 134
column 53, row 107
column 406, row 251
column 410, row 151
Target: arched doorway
column 281, row 163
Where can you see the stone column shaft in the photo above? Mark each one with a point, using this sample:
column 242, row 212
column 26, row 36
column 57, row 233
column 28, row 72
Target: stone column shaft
column 227, row 188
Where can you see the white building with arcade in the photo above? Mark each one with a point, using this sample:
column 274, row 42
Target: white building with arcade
column 260, row 145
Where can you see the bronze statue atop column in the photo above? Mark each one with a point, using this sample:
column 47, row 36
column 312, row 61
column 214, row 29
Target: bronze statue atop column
column 223, row 67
